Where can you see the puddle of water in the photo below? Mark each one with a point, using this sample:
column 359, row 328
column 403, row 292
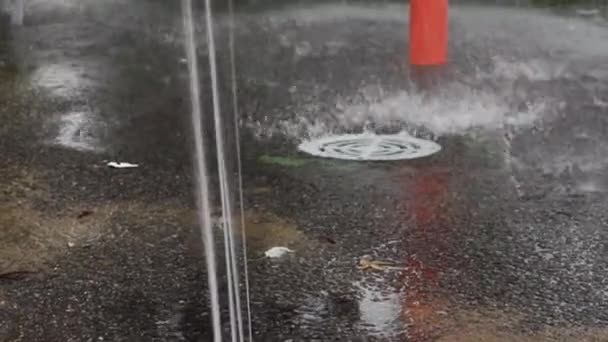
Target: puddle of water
column 590, row 186
column 55, row 3
column 76, row 131
column 382, row 315
column 380, row 312
column 492, row 326
column 59, row 80
column 30, row 237
column 264, row 230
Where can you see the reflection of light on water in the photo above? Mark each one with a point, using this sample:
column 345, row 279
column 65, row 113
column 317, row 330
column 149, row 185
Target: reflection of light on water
column 49, row 5
column 379, row 311
column 60, row 80
column 590, row 186
column 75, row 132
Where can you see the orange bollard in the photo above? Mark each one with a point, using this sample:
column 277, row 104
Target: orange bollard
column 428, row 32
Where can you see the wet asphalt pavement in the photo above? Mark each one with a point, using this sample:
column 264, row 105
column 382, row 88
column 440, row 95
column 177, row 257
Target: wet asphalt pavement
column 499, row 237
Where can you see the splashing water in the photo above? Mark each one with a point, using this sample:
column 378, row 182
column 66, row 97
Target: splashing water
column 496, row 50
column 458, row 109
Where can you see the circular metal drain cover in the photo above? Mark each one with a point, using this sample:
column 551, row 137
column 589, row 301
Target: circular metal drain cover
column 370, row 147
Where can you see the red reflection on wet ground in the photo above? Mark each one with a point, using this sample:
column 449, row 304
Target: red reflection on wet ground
column 426, row 241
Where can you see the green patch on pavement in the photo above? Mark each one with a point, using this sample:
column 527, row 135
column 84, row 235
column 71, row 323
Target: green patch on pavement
column 284, row 161
column 322, row 163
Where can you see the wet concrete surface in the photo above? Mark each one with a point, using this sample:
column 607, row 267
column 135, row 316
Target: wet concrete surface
column 499, row 237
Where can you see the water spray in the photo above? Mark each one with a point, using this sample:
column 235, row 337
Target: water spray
column 427, row 54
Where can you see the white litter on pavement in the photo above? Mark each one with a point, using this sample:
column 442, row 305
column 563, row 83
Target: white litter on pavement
column 119, row 165
column 277, row 252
